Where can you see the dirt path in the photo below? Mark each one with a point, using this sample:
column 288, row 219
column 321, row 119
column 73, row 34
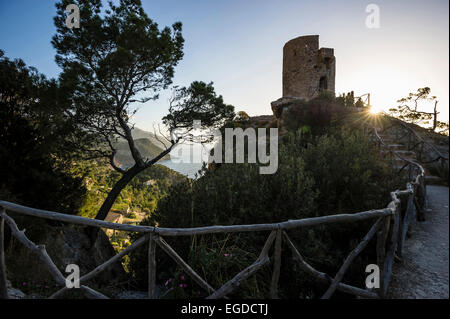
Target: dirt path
column 425, row 267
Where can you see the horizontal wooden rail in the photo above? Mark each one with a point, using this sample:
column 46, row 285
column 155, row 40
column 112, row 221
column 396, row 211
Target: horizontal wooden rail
column 72, row 219
column 339, row 218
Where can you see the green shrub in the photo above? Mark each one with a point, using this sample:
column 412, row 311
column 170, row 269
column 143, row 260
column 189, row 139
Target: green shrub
column 101, row 179
column 349, row 177
column 233, row 194
column 324, row 170
column 242, row 116
column 131, row 215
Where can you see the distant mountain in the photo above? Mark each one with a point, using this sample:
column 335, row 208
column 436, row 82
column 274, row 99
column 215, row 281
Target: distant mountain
column 147, row 144
column 138, row 134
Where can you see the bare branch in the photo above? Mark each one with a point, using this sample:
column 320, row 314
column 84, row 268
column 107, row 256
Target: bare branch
column 37, row 249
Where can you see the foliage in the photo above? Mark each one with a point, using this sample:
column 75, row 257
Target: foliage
column 197, row 102
column 323, row 174
column 117, row 59
column 35, row 149
column 408, row 110
column 110, row 60
column 217, row 259
column 359, row 103
column 136, row 196
column 242, row 116
column 341, row 164
column 347, row 99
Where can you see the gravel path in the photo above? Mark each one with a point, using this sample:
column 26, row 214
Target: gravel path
column 423, row 274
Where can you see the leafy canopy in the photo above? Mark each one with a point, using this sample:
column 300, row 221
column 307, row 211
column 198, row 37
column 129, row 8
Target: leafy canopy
column 36, row 141
column 120, row 57
column 114, row 59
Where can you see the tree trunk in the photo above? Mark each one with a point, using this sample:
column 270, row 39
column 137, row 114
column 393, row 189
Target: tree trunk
column 126, row 178
column 435, row 116
column 115, row 191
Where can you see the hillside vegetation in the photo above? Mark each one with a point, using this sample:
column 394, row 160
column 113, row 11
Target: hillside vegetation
column 146, row 147
column 326, row 167
column 135, row 197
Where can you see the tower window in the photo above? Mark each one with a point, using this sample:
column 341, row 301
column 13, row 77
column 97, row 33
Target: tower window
column 323, row 84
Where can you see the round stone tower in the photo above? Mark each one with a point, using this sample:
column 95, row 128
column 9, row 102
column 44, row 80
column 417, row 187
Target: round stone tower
column 307, row 70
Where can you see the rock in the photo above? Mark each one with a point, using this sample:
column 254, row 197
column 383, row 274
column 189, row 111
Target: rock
column 14, row 293
column 280, row 105
column 135, row 294
column 65, row 244
column 131, row 294
column 88, row 250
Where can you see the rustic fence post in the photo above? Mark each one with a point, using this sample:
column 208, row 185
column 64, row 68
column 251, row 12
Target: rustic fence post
column 409, row 141
column 151, row 266
column 405, row 225
column 420, row 152
column 276, row 267
column 3, row 287
column 382, row 236
column 424, row 192
column 389, row 260
column 420, row 198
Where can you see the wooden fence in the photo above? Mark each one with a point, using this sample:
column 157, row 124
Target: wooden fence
column 389, row 228
column 427, row 153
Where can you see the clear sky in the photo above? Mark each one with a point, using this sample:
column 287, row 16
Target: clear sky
column 238, row 45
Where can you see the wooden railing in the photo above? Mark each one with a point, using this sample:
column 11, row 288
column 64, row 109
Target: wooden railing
column 427, row 153
column 389, row 228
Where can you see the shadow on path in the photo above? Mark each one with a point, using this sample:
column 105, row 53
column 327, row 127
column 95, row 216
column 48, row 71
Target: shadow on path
column 424, row 271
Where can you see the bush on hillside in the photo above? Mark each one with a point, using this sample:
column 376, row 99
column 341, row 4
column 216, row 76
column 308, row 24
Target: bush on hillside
column 339, row 172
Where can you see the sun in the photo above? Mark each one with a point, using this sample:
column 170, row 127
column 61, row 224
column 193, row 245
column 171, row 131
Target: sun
column 375, row 110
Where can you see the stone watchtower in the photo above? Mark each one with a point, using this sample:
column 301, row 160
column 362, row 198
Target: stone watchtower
column 307, row 70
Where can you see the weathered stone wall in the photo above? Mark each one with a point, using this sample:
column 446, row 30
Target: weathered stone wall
column 307, row 69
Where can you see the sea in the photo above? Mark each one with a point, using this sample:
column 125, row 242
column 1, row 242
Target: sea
column 190, row 170
column 187, row 159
